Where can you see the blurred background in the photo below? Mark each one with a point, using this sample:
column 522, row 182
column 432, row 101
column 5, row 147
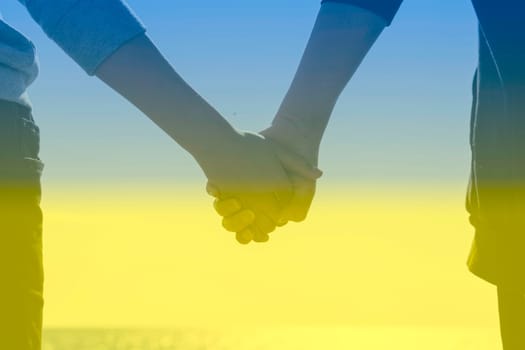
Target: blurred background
column 132, row 242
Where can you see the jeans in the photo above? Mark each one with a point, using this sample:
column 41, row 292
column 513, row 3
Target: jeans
column 496, row 195
column 21, row 268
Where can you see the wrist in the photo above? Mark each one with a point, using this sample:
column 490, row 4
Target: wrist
column 287, row 133
column 213, row 147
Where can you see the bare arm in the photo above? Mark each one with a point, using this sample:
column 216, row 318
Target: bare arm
column 342, row 36
column 237, row 164
column 140, row 73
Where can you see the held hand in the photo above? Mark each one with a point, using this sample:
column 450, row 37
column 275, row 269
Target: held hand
column 250, row 184
column 243, row 222
column 302, row 177
column 298, row 155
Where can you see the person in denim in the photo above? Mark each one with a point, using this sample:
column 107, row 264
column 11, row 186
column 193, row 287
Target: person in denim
column 108, row 41
column 343, row 33
column 21, row 270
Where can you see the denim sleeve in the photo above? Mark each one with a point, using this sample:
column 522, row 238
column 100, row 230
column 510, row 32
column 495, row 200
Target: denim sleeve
column 87, row 30
column 384, row 8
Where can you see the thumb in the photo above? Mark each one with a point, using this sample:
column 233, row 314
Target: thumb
column 296, row 164
column 299, row 205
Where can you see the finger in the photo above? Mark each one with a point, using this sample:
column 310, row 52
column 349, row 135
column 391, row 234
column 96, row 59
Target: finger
column 212, row 190
column 294, row 213
column 259, row 236
column 297, row 210
column 281, row 222
column 263, row 223
column 227, row 207
column 283, row 196
column 244, row 237
column 268, row 206
column 294, row 163
column 238, row 221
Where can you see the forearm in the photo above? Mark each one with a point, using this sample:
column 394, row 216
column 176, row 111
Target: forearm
column 142, row 75
column 106, row 39
column 340, row 39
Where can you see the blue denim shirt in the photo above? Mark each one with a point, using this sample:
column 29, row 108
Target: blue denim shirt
column 88, row 31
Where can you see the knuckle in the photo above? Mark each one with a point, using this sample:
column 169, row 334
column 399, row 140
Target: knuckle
column 261, row 238
column 243, row 237
column 265, row 225
column 229, row 224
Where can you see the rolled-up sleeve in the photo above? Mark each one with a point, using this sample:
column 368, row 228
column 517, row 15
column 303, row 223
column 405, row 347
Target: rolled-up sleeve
column 387, row 9
column 87, row 30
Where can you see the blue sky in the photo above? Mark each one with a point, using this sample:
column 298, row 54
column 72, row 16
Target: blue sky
column 404, row 116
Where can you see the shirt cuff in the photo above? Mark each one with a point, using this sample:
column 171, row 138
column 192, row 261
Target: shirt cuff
column 386, row 9
column 91, row 31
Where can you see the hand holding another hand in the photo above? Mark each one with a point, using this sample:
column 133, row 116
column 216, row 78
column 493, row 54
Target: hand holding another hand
column 250, row 185
column 271, row 186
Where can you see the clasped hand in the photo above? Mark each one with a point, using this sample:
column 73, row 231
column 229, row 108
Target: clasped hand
column 259, row 184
